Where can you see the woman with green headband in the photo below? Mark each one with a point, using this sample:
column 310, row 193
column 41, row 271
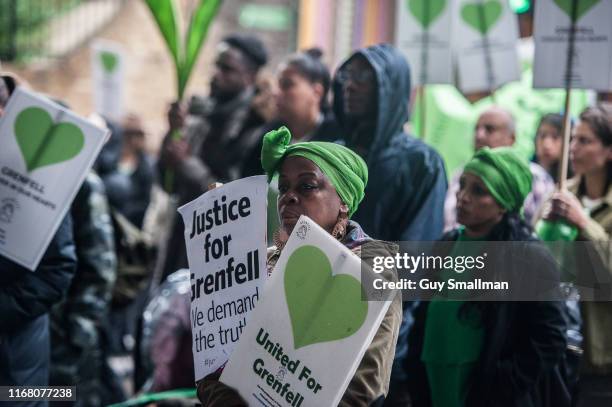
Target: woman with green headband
column 478, row 354
column 326, row 182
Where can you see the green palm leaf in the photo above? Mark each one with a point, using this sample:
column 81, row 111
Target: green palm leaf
column 164, row 12
column 166, row 17
column 196, row 34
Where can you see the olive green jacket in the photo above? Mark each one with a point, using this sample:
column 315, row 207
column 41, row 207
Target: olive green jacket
column 371, row 380
column 597, row 316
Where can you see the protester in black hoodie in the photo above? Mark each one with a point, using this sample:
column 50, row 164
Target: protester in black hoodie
column 405, row 198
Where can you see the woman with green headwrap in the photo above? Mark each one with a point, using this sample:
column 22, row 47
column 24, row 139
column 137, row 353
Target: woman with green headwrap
column 326, row 182
column 478, row 354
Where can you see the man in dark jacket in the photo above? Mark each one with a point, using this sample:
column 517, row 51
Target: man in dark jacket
column 215, row 138
column 25, row 299
column 404, row 199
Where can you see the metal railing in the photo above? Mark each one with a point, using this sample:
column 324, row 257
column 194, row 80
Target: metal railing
column 32, row 29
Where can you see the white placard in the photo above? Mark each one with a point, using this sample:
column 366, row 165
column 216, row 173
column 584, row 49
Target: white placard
column 485, row 34
column 108, row 78
column 592, row 60
column 46, row 154
column 423, row 32
column 307, row 336
column 225, row 235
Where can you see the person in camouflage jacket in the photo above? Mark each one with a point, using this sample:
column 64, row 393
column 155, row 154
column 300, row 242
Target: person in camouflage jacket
column 77, row 355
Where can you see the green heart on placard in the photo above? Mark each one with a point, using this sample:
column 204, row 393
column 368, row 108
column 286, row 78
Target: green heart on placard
column 491, row 12
column 43, row 142
column 426, row 11
column 582, row 7
column 322, row 307
column 109, row 61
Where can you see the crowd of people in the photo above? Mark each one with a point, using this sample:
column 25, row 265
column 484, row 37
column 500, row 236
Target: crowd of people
column 366, row 180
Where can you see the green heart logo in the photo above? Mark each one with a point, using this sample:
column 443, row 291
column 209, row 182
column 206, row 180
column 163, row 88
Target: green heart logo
column 582, row 7
column 482, row 16
column 426, row 11
column 43, row 142
column 109, row 61
column 322, row 307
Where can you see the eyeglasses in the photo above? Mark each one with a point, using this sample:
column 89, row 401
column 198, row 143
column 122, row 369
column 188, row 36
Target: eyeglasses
column 359, row 77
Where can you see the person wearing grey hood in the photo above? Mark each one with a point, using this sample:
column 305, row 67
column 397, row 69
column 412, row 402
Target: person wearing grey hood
column 405, row 200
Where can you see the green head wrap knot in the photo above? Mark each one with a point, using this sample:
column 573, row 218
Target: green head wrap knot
column 347, row 172
column 505, row 174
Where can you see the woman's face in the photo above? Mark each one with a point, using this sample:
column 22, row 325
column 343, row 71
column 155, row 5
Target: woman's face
column 548, row 145
column 477, row 210
column 305, row 190
column 587, row 152
column 297, row 97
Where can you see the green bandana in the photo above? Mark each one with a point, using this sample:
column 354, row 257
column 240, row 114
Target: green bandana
column 347, row 172
column 506, row 175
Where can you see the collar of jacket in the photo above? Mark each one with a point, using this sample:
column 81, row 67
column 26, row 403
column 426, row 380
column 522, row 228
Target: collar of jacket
column 573, row 185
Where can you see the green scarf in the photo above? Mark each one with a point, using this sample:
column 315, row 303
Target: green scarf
column 347, row 172
column 506, row 175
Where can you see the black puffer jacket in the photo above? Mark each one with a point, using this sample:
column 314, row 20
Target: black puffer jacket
column 25, row 299
column 522, row 361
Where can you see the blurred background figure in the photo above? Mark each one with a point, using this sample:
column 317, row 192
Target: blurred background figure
column 301, row 101
column 79, row 344
column 548, row 143
column 109, row 156
column 302, row 104
column 303, row 97
column 216, row 136
column 164, row 360
column 129, row 184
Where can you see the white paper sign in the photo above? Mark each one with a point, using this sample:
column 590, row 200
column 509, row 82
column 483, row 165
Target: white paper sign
column 485, row 34
column 108, row 78
column 592, row 58
column 225, row 234
column 46, row 154
column 423, row 32
column 307, row 336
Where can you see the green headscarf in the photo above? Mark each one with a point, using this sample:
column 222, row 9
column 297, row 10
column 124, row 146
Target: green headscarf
column 506, row 175
column 347, row 172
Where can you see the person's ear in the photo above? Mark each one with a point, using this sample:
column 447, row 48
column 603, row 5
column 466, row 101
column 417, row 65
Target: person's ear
column 318, row 90
column 609, row 154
